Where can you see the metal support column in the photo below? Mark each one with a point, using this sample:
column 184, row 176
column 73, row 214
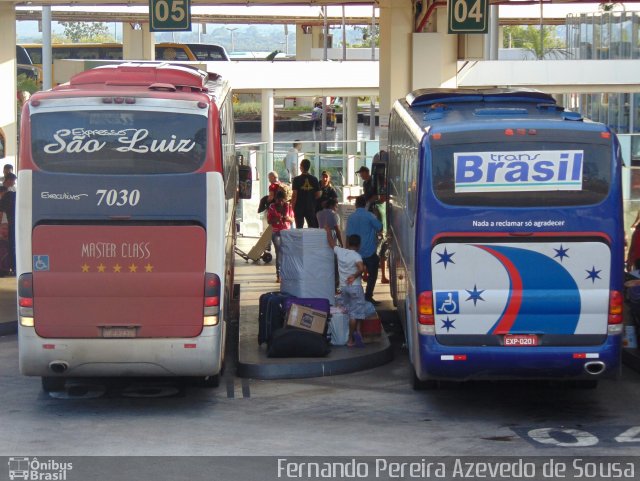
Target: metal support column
column 268, row 112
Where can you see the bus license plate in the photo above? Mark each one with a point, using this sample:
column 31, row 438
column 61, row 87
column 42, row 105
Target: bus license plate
column 520, row 340
column 119, row 332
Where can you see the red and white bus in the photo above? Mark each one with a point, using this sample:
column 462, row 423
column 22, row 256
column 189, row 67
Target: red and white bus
column 125, row 224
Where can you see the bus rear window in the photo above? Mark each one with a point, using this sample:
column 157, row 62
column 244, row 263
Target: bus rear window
column 118, row 142
column 550, row 169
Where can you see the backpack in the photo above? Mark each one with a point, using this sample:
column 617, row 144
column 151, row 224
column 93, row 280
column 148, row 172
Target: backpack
column 288, row 191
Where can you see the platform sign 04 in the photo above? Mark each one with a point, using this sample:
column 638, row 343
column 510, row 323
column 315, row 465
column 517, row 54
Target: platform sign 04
column 468, row 16
column 169, row 15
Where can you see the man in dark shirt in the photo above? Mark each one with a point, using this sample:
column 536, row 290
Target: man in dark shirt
column 367, row 185
column 306, row 191
column 8, row 206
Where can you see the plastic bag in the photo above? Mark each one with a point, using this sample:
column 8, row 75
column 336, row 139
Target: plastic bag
column 339, row 329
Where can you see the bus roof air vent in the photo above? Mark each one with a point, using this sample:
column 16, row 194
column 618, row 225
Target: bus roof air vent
column 436, row 112
column 162, row 86
column 575, row 116
column 501, row 112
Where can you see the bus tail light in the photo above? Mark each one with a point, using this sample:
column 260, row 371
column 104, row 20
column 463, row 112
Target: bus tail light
column 25, row 299
column 426, row 320
column 211, row 299
column 616, row 302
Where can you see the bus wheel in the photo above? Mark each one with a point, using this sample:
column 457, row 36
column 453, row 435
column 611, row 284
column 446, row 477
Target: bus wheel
column 420, row 385
column 53, row 384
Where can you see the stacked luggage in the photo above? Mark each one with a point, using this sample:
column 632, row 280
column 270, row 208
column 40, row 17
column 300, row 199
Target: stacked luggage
column 292, row 326
column 307, row 264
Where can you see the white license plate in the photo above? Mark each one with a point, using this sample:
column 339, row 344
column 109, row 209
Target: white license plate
column 520, row 340
column 119, row 332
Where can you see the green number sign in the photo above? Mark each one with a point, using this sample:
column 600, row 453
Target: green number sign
column 468, row 16
column 169, row 15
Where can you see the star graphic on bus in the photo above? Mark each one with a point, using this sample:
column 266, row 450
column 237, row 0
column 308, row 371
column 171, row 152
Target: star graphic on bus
column 448, row 324
column 593, row 274
column 148, row 268
column 101, row 267
column 117, row 268
column 85, row 267
column 475, row 295
column 561, row 253
column 133, row 268
column 445, row 257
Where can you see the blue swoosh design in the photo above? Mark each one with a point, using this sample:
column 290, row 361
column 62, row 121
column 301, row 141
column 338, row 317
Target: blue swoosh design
column 550, row 297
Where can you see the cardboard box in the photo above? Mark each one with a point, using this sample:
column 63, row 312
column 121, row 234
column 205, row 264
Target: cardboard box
column 307, row 318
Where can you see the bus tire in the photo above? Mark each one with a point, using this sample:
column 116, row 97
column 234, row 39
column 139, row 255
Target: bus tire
column 50, row 384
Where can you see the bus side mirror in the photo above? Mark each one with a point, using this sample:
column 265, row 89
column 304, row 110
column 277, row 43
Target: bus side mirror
column 244, row 181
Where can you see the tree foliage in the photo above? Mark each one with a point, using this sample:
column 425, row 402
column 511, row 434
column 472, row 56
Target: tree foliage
column 368, row 35
column 86, row 32
column 528, row 38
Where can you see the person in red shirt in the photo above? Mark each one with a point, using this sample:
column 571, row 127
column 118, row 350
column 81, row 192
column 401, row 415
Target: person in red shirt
column 274, row 184
column 279, row 216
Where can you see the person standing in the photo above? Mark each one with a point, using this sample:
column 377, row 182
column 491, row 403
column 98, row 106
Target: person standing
column 328, row 217
column 306, row 192
column 8, row 206
column 292, row 159
column 367, row 185
column 316, row 116
column 274, row 185
column 364, row 224
column 327, row 191
column 279, row 216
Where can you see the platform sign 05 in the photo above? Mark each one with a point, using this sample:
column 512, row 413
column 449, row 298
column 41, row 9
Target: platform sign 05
column 468, row 16
column 169, row 15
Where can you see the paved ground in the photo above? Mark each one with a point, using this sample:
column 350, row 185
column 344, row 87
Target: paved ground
column 372, row 412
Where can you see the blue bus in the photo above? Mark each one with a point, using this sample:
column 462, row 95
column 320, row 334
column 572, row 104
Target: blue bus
column 506, row 237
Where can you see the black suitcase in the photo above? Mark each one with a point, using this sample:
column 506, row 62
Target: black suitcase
column 292, row 342
column 271, row 314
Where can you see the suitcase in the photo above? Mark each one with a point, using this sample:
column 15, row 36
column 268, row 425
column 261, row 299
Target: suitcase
column 292, row 342
column 271, row 314
column 371, row 328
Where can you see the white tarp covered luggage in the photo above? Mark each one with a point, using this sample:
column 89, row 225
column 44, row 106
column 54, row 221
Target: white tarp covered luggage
column 307, row 264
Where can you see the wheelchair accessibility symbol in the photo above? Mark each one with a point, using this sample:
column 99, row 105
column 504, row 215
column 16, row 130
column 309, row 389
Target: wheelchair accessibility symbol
column 447, row 303
column 41, row 263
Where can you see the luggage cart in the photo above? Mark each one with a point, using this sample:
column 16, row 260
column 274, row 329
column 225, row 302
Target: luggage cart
column 259, row 250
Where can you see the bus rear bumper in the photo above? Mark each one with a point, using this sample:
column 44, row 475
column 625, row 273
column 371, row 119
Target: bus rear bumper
column 199, row 356
column 464, row 363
